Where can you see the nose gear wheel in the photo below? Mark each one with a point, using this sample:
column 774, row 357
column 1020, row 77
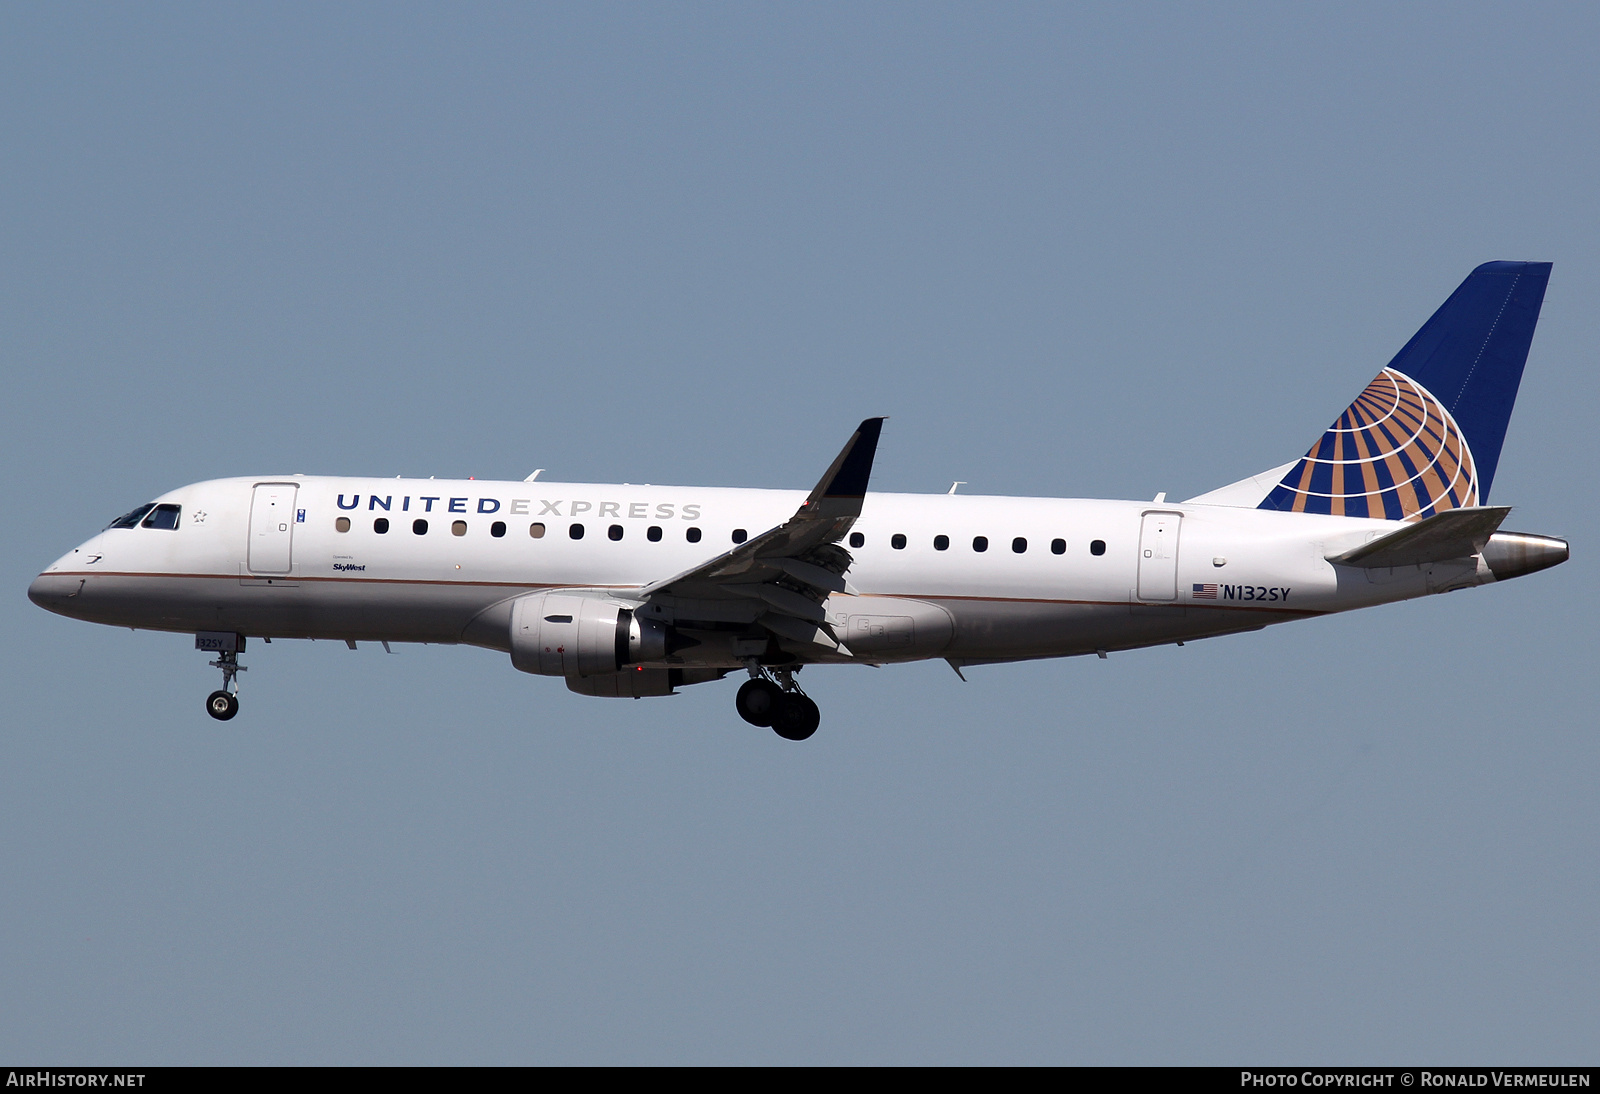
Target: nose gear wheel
column 222, row 705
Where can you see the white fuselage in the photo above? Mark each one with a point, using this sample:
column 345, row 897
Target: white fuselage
column 267, row 557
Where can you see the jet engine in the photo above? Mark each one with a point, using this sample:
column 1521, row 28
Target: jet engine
column 581, row 634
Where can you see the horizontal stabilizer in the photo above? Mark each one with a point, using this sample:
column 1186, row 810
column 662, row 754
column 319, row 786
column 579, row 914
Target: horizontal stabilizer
column 1454, row 533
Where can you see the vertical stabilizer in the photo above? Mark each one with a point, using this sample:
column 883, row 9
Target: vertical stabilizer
column 1425, row 435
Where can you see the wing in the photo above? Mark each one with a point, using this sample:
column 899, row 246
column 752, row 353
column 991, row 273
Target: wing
column 788, row 571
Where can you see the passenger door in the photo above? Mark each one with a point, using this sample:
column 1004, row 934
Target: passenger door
column 1158, row 556
column 272, row 520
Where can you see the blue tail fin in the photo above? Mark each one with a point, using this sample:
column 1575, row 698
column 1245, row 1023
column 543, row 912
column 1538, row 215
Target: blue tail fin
column 1425, row 435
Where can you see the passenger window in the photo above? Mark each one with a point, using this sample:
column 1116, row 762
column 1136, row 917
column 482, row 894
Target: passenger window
column 1019, row 545
column 1058, row 546
column 897, row 541
column 980, row 543
column 653, row 534
column 381, row 526
column 131, row 520
column 692, row 535
column 536, row 531
column 164, row 517
column 740, row 535
column 941, row 543
column 419, row 526
column 498, row 529
column 857, row 539
column 576, row 531
column 458, row 528
column 615, row 532
column 1098, row 547
column 342, row 524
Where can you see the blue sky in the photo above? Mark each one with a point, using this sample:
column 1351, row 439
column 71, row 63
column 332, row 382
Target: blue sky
column 1086, row 251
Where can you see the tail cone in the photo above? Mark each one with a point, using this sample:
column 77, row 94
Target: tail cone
column 1512, row 554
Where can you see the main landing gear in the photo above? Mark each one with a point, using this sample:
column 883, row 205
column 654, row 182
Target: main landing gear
column 223, row 703
column 780, row 705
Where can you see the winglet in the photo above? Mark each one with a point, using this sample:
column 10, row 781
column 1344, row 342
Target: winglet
column 791, row 548
column 845, row 481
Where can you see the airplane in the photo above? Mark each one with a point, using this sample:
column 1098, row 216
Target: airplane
column 635, row 591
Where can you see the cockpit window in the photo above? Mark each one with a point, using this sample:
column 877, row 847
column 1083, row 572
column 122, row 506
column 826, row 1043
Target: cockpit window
column 131, row 520
column 164, row 517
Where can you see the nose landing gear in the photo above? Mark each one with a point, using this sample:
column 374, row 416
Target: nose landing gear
column 781, row 705
column 223, row 703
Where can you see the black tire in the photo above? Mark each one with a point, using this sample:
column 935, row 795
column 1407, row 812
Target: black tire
column 797, row 718
column 758, row 702
column 222, row 705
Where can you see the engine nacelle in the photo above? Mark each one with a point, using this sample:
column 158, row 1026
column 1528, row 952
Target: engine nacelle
column 581, row 634
column 635, row 683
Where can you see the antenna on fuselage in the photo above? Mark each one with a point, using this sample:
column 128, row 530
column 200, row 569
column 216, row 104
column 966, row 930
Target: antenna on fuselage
column 958, row 482
column 533, row 476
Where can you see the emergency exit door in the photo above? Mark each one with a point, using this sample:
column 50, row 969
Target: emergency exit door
column 1158, row 556
column 272, row 520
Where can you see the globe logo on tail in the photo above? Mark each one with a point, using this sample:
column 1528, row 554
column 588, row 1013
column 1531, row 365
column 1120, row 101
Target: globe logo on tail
column 1395, row 454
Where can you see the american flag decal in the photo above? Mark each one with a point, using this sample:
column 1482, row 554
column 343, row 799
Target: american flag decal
column 1205, row 592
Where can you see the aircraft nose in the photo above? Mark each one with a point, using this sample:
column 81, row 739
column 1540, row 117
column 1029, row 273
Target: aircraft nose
column 54, row 592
